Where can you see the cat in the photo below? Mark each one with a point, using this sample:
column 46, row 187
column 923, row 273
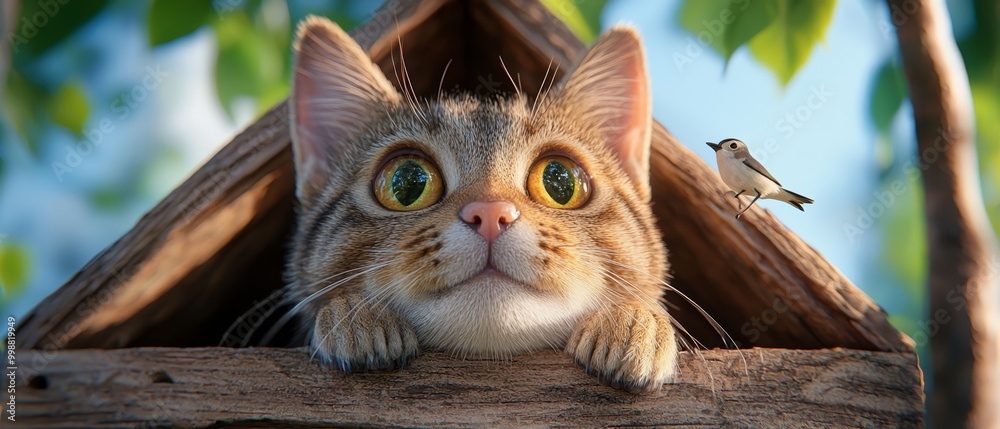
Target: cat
column 480, row 227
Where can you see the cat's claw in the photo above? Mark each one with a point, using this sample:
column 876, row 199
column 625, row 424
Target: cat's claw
column 627, row 347
column 354, row 336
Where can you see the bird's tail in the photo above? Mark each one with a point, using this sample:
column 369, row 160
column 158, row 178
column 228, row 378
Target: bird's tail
column 792, row 198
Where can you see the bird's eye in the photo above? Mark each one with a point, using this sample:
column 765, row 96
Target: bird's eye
column 408, row 182
column 732, row 145
column 558, row 182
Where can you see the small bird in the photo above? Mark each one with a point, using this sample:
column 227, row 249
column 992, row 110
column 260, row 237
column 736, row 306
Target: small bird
column 742, row 173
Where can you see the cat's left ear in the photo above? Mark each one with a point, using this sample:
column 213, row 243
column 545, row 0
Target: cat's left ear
column 336, row 91
column 611, row 87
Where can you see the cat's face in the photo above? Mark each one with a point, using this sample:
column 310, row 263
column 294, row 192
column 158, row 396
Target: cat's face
column 491, row 226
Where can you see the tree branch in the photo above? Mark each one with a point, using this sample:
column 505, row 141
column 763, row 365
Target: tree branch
column 962, row 282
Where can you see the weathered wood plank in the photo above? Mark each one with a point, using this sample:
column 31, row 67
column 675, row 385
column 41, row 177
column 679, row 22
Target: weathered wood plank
column 278, row 387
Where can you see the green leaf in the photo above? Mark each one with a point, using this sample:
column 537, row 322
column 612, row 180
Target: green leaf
column 885, row 156
column 785, row 45
column 14, row 268
column 23, row 106
column 903, row 229
column 172, row 19
column 583, row 17
column 591, row 11
column 68, row 107
column 272, row 96
column 696, row 17
column 987, row 105
column 727, row 25
column 107, row 199
column 981, row 54
column 248, row 64
column 887, row 96
column 44, row 23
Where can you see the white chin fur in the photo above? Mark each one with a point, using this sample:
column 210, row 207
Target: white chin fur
column 493, row 316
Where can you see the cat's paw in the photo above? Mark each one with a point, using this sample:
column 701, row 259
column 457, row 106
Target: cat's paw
column 627, row 347
column 353, row 335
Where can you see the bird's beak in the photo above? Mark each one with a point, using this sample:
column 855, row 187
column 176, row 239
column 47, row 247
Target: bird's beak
column 714, row 146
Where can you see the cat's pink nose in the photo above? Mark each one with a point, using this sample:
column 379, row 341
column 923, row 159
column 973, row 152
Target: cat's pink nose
column 489, row 218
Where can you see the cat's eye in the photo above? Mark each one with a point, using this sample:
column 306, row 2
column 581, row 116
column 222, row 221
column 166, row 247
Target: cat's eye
column 558, row 182
column 408, row 182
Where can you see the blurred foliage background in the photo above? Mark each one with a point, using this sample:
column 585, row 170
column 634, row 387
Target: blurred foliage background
column 104, row 113
column 109, row 104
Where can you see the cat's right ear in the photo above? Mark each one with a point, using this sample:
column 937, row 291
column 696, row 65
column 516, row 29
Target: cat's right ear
column 610, row 88
column 335, row 89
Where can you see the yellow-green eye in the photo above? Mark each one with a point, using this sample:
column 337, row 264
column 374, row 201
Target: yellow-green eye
column 408, row 182
column 558, row 182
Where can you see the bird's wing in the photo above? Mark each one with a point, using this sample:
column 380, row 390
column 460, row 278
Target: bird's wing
column 755, row 166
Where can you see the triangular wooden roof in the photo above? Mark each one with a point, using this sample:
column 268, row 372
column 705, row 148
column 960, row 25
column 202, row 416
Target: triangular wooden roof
column 216, row 245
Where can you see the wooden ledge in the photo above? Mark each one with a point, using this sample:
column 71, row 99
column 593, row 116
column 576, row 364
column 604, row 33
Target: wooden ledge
column 278, row 387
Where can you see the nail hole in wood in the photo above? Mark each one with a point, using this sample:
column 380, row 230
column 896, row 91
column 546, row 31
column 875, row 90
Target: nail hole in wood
column 39, row 382
column 162, row 377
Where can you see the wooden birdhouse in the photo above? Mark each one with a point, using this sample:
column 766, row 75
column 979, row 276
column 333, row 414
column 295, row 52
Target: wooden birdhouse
column 153, row 330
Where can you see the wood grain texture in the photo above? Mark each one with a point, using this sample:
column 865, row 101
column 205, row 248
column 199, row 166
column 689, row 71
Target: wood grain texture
column 278, row 387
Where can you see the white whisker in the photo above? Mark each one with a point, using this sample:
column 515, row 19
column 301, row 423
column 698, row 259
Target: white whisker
column 723, row 334
column 294, row 310
column 441, row 83
column 517, row 89
column 243, row 343
column 372, row 301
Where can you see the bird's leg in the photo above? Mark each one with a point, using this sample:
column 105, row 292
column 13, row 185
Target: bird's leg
column 748, row 205
column 739, row 203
